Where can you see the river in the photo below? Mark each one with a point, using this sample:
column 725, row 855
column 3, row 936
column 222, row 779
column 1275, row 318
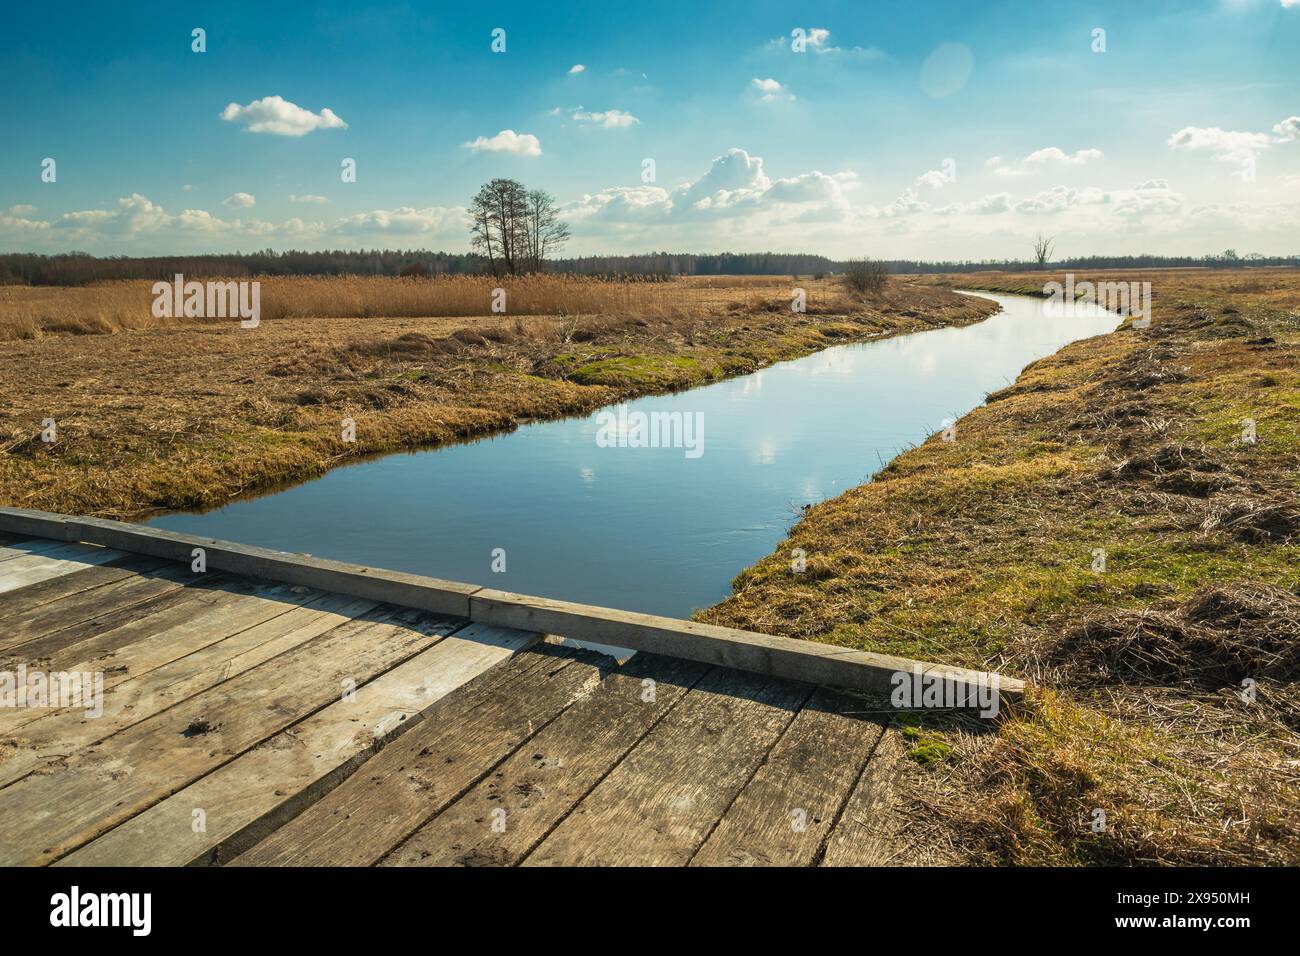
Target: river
column 661, row 530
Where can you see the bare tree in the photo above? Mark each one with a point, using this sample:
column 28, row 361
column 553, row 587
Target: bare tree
column 514, row 228
column 547, row 232
column 1042, row 249
column 483, row 226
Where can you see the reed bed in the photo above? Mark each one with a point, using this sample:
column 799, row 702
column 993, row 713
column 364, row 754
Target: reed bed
column 32, row 312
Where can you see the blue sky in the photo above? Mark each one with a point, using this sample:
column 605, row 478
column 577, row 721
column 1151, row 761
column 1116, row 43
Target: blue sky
column 928, row 130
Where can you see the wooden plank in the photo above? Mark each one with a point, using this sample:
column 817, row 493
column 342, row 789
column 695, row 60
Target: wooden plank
column 770, row 655
column 662, row 801
column 103, row 634
column 16, row 605
column 45, row 816
column 251, row 796
column 531, row 791
column 21, row 572
column 405, row 784
column 55, row 733
column 115, row 592
column 863, row 835
column 26, row 547
column 786, row 811
column 151, row 641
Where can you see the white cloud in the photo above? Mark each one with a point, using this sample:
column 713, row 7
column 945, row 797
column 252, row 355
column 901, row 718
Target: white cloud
column 1289, row 128
column 507, row 141
column 818, row 40
column 404, row 220
column 577, row 68
column 240, row 200
column 316, row 200
column 22, row 209
column 770, row 91
column 276, row 115
column 610, row 119
column 1041, row 159
column 1237, row 149
column 989, row 205
column 734, row 185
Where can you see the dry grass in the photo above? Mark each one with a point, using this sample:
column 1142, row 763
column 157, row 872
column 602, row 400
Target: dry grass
column 980, row 552
column 118, row 306
column 189, row 416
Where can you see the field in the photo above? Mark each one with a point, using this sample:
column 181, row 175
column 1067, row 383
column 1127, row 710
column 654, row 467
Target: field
column 1165, row 707
column 170, row 413
column 1164, row 726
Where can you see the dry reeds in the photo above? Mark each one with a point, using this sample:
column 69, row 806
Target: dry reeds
column 30, row 312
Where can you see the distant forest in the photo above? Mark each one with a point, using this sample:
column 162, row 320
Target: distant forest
column 78, row 268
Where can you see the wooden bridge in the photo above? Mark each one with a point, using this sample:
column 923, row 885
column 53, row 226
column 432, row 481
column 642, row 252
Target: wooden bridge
column 263, row 708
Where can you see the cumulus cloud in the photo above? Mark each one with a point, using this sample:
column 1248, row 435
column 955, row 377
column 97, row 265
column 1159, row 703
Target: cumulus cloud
column 610, row 119
column 577, row 68
column 1226, row 146
column 507, row 141
column 22, row 209
column 136, row 219
column 404, row 220
column 1152, row 196
column 770, row 91
column 735, row 184
column 240, row 200
column 279, row 117
column 1041, row 159
column 1289, row 128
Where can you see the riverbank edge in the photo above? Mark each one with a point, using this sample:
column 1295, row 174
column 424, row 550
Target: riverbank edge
column 575, row 380
column 1092, row 771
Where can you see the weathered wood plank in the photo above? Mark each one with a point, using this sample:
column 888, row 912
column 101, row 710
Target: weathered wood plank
column 31, row 569
column 251, row 796
column 863, row 836
column 117, row 590
column 45, row 816
column 104, row 633
column 498, row 821
column 785, row 812
column 26, row 547
column 63, row 732
column 659, row 805
column 406, row 783
column 18, row 604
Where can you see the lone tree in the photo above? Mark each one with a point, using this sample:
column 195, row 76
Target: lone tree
column 1042, row 249
column 514, row 228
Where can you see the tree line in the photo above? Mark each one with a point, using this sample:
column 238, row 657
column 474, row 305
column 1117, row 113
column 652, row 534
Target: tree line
column 78, row 268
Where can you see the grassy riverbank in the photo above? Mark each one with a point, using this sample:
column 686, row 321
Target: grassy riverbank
column 981, row 552
column 159, row 414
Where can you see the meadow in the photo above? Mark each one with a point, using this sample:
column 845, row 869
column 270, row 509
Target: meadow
column 1164, row 722
column 156, row 414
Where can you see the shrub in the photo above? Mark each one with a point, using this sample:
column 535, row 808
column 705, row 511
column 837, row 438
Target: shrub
column 864, row 275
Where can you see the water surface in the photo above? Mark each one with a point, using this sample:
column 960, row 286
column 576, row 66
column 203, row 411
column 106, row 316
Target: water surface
column 649, row 529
